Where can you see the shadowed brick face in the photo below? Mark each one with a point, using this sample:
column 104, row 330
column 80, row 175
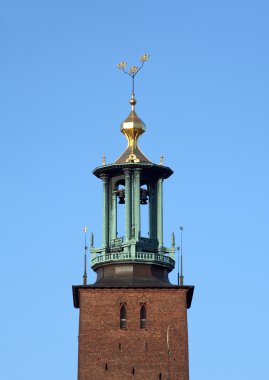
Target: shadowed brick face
column 159, row 351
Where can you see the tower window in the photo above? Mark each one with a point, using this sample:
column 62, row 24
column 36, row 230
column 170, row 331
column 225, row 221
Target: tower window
column 160, row 376
column 143, row 317
column 133, row 371
column 123, row 316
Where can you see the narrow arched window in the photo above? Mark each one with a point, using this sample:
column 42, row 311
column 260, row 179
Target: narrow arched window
column 123, row 316
column 143, row 317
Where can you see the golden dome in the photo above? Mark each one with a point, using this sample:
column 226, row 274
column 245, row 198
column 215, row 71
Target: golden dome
column 132, row 128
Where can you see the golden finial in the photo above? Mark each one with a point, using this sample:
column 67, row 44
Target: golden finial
column 132, row 102
column 133, row 126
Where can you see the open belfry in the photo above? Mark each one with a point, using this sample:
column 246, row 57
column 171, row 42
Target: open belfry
column 133, row 321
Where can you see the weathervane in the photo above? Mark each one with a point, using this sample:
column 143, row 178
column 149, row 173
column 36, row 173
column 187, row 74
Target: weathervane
column 134, row 69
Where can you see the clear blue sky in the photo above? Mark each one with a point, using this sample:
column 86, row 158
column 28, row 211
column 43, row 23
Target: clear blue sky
column 204, row 98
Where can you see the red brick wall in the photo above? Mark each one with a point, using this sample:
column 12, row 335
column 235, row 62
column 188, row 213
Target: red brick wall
column 108, row 352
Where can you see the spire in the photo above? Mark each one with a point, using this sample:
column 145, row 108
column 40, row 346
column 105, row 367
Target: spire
column 133, row 127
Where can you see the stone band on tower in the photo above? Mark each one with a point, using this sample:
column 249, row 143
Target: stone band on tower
column 133, row 321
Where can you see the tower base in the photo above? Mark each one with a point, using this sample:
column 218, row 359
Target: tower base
column 155, row 349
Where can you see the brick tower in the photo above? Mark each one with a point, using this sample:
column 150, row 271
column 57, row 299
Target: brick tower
column 133, row 321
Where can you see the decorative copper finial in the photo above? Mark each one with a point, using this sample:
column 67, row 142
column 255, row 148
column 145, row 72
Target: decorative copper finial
column 173, row 239
column 92, row 240
column 85, row 257
column 132, row 73
column 181, row 277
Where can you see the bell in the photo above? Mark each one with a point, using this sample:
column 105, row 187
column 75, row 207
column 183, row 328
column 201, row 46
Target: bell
column 143, row 197
column 121, row 200
column 121, row 195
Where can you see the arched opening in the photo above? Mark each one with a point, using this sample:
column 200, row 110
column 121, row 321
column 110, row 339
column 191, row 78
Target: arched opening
column 143, row 317
column 123, row 316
